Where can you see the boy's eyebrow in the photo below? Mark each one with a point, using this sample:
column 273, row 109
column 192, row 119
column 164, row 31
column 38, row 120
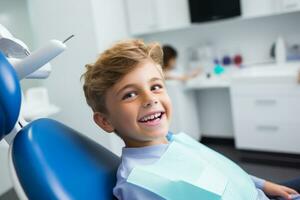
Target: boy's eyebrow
column 123, row 88
column 155, row 79
column 134, row 85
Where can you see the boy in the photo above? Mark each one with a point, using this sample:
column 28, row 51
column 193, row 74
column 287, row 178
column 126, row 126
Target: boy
column 125, row 89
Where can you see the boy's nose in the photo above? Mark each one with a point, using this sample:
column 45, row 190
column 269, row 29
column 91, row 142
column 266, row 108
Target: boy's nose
column 150, row 103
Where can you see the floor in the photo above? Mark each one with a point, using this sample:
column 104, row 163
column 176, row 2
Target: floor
column 273, row 167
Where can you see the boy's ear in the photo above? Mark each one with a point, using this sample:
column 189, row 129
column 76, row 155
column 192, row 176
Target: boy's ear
column 102, row 121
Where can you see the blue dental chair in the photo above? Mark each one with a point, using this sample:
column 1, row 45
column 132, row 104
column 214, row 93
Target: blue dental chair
column 49, row 160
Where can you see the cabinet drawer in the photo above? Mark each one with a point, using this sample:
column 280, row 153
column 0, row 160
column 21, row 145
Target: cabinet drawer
column 266, row 108
column 283, row 137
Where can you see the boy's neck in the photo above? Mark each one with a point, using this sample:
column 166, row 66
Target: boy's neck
column 134, row 143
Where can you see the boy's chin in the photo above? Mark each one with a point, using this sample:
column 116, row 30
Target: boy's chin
column 157, row 134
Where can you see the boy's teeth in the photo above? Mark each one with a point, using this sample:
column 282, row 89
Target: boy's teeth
column 150, row 117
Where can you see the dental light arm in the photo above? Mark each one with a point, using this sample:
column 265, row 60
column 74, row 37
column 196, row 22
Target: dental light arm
column 26, row 64
column 38, row 58
column 41, row 73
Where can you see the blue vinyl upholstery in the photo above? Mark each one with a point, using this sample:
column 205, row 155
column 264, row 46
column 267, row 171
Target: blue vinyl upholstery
column 53, row 161
column 10, row 97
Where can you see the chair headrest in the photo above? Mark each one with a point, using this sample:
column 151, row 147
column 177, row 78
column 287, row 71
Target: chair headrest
column 10, row 96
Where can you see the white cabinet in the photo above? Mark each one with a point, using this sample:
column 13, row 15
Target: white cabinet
column 266, row 116
column 257, row 8
column 184, row 116
column 290, row 5
column 148, row 16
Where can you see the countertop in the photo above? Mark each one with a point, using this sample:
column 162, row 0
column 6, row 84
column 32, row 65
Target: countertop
column 265, row 73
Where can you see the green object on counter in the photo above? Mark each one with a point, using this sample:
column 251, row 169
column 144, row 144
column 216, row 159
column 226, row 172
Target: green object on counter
column 219, row 69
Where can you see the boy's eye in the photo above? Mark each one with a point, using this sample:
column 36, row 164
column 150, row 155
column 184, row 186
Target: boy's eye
column 156, row 87
column 129, row 95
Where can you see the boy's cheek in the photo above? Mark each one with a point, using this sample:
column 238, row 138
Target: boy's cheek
column 127, row 118
column 169, row 118
column 169, row 107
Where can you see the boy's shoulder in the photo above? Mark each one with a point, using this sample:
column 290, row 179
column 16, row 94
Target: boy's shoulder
column 132, row 157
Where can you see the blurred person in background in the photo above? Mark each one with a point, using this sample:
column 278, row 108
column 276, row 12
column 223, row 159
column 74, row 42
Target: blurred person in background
column 170, row 58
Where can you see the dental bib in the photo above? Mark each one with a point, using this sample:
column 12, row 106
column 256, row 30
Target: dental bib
column 190, row 170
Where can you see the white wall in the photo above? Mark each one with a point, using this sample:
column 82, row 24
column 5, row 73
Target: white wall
column 15, row 17
column 95, row 24
column 253, row 37
column 109, row 21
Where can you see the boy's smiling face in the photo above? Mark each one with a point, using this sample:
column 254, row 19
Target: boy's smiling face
column 139, row 108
